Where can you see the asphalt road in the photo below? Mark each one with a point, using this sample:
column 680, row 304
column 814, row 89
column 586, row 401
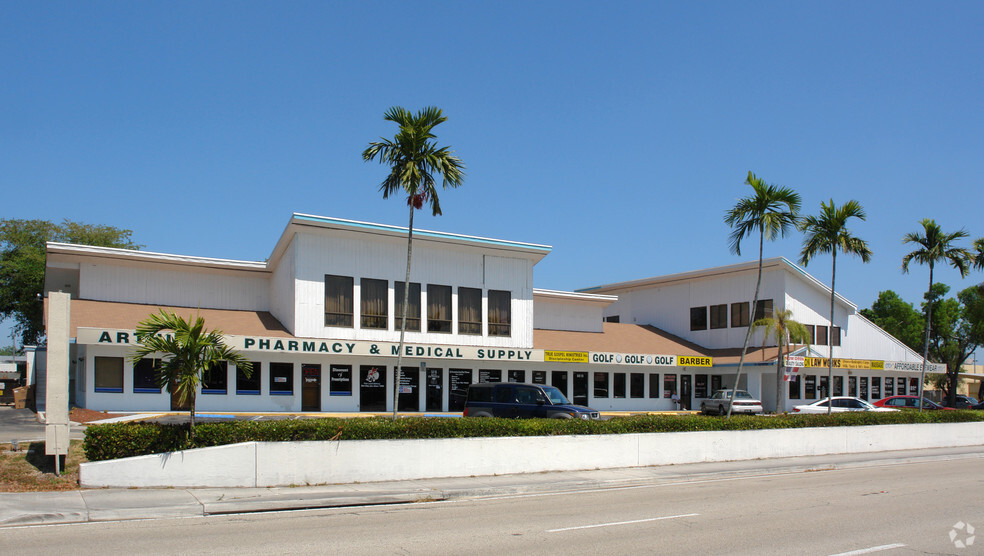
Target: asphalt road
column 901, row 508
column 22, row 425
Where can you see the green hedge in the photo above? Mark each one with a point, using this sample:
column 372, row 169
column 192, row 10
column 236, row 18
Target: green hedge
column 120, row 440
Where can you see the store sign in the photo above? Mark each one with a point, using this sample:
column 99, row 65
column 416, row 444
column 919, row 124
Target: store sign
column 357, row 348
column 565, row 356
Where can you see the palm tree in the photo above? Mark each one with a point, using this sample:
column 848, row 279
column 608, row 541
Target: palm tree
column 934, row 246
column 188, row 350
column 770, row 210
column 785, row 331
column 828, row 233
column 979, row 257
column 414, row 160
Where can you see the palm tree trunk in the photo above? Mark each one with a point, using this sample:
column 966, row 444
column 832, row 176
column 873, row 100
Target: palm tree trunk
column 403, row 318
column 779, row 376
column 929, row 324
column 191, row 428
column 830, row 344
column 751, row 319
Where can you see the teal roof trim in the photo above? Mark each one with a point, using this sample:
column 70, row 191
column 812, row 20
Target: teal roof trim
column 425, row 233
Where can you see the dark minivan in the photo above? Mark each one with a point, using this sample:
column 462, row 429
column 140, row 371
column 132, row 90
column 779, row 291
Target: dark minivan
column 522, row 401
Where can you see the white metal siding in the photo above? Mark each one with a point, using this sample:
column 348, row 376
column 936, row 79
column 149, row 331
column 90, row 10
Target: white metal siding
column 347, row 254
column 218, row 289
column 282, row 287
column 555, row 314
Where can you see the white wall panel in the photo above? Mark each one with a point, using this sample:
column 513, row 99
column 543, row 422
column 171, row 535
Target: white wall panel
column 212, row 289
column 554, row 314
column 282, row 287
column 350, row 254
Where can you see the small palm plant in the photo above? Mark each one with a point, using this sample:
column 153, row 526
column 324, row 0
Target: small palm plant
column 186, row 350
column 785, row 331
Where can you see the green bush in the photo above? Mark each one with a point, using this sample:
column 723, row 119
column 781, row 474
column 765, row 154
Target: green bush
column 119, row 440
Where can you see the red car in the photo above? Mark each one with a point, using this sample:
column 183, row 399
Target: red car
column 907, row 402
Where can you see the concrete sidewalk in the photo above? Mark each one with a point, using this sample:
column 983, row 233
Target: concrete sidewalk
column 96, row 505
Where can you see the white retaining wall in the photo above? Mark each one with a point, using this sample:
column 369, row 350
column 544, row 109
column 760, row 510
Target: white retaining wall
column 262, row 464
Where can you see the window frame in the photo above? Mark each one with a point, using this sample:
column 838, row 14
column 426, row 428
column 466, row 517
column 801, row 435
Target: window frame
column 96, row 371
column 698, row 318
column 274, row 372
column 716, row 320
column 764, row 309
column 413, row 310
column 344, row 289
column 379, row 289
column 439, row 301
column 469, row 301
column 500, row 313
column 739, row 314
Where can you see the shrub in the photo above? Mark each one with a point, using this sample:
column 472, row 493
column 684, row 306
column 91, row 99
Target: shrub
column 120, row 440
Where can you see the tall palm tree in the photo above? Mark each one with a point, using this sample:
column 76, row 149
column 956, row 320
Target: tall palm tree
column 770, row 210
column 828, row 233
column 785, row 331
column 979, row 257
column 188, row 349
column 934, row 246
column 414, row 160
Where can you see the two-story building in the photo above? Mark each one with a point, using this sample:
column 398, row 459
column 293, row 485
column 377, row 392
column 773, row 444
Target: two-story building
column 320, row 320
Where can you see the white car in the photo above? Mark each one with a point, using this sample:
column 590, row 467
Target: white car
column 718, row 403
column 839, row 404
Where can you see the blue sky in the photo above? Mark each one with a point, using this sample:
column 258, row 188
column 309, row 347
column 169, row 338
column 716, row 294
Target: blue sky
column 619, row 133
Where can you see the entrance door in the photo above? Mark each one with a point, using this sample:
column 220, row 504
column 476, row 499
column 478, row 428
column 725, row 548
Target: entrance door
column 410, row 389
column 558, row 379
column 311, row 390
column 435, row 389
column 685, row 392
column 176, row 404
column 580, row 389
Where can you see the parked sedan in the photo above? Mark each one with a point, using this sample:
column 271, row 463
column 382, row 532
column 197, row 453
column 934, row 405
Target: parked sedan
column 719, row 402
column 908, row 402
column 965, row 402
column 839, row 404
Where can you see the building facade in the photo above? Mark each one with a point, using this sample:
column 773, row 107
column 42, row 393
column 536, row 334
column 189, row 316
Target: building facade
column 320, row 320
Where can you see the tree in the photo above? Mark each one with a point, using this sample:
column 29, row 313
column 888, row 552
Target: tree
column 979, row 256
column 187, row 351
column 785, row 331
column 414, row 160
column 934, row 246
column 957, row 330
column 828, row 233
column 897, row 317
column 22, row 265
column 770, row 210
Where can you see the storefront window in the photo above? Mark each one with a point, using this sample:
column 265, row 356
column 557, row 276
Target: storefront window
column 249, row 385
column 876, row 387
column 108, row 374
column 489, row 375
column 145, row 377
column 619, row 385
column 601, row 385
column 700, row 386
column 795, row 387
column 517, row 376
column 281, row 379
column 340, row 380
column 669, row 385
column 215, row 379
column 653, row 385
column 637, row 385
column 810, row 383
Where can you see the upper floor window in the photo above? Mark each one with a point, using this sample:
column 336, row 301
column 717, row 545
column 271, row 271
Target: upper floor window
column 413, row 309
column 698, row 318
column 338, row 300
column 438, row 308
column 500, row 313
column 469, row 311
column 739, row 314
column 719, row 316
column 375, row 307
column 835, row 335
column 612, row 318
column 763, row 309
column 821, row 336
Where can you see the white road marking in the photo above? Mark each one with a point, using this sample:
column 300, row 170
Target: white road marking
column 870, row 550
column 619, row 523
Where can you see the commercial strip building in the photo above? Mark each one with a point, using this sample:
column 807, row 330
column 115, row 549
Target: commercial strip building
column 320, row 321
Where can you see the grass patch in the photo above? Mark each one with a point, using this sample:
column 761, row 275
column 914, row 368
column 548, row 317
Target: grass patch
column 30, row 470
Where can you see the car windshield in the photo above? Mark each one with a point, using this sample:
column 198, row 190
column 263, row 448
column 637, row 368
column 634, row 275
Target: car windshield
column 866, row 405
column 741, row 394
column 555, row 396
